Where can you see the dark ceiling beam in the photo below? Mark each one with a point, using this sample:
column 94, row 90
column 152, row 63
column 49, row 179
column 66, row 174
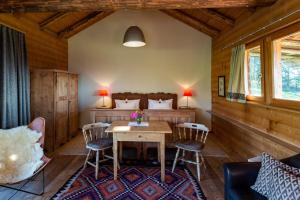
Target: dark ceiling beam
column 46, row 30
column 189, row 20
column 218, row 16
column 52, row 19
column 87, row 21
column 100, row 5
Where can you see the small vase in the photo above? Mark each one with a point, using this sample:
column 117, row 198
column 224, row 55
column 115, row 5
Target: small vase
column 139, row 120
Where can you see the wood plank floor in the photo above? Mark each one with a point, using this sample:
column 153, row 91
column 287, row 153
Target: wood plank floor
column 69, row 158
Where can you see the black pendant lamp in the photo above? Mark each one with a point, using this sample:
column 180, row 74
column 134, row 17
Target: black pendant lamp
column 134, row 37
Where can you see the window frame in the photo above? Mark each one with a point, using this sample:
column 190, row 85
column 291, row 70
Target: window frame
column 250, row 46
column 285, row 103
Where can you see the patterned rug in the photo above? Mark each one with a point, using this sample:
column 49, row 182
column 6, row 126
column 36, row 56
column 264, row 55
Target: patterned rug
column 135, row 182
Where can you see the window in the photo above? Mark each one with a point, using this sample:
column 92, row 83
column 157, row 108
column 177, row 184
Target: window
column 254, row 78
column 286, row 67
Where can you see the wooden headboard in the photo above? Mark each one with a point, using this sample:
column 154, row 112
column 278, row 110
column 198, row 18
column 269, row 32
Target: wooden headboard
column 162, row 96
column 129, row 96
column 144, row 98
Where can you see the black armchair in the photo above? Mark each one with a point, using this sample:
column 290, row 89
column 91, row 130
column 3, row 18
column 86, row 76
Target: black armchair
column 239, row 176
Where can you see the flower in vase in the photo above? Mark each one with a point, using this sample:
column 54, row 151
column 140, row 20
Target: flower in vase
column 134, row 115
column 137, row 116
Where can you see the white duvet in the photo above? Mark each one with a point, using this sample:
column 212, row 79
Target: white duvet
column 20, row 154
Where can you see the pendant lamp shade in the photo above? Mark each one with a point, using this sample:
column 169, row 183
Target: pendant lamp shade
column 134, row 37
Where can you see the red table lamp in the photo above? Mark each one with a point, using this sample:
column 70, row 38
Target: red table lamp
column 187, row 93
column 103, row 93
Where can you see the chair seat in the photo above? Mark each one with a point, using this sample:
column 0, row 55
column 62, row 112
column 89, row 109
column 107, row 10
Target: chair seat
column 172, row 143
column 190, row 145
column 100, row 143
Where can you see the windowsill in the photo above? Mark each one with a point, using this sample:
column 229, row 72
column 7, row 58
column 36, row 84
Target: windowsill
column 255, row 99
column 284, row 103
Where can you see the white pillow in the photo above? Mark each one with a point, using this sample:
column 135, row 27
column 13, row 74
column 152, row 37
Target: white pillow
column 127, row 104
column 20, row 154
column 160, row 104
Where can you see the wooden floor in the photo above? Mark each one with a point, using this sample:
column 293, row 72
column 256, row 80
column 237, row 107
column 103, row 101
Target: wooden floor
column 64, row 165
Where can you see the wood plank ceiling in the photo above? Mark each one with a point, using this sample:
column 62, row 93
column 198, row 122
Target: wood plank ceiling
column 66, row 18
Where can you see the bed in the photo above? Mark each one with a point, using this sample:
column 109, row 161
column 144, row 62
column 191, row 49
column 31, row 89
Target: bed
column 172, row 116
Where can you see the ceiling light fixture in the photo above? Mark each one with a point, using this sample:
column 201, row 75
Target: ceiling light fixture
column 134, row 37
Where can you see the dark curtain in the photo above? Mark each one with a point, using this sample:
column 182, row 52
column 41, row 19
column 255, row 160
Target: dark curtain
column 14, row 79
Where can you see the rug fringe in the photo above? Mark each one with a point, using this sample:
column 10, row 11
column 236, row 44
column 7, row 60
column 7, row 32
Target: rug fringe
column 196, row 184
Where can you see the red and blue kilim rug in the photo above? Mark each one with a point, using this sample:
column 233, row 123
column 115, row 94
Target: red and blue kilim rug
column 135, row 182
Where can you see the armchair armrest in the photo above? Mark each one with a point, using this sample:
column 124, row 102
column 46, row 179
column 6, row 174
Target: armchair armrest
column 239, row 175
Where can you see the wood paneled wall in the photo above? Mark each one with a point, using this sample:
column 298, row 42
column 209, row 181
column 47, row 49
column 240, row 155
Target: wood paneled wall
column 266, row 128
column 44, row 50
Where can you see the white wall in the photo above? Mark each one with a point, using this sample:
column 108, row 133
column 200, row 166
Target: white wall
column 175, row 56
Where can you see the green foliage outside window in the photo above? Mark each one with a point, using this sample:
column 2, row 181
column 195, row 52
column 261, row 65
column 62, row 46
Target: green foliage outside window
column 255, row 73
column 290, row 66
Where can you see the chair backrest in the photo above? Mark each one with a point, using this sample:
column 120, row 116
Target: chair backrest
column 94, row 131
column 192, row 131
column 38, row 124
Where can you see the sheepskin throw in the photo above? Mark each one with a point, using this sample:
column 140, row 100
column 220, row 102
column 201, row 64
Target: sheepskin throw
column 20, row 154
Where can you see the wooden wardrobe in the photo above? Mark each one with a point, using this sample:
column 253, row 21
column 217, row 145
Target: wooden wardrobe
column 54, row 96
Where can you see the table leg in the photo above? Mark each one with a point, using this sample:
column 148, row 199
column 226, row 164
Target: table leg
column 115, row 152
column 162, row 157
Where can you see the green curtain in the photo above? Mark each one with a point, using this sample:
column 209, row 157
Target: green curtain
column 236, row 86
column 14, row 79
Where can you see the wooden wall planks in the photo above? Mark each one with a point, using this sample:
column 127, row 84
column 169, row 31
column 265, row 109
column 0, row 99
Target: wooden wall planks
column 278, row 128
column 247, row 142
column 44, row 50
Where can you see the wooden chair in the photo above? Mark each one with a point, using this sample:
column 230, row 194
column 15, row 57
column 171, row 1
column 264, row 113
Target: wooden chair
column 192, row 138
column 97, row 140
column 38, row 124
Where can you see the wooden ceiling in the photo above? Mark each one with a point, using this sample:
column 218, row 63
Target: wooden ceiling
column 66, row 18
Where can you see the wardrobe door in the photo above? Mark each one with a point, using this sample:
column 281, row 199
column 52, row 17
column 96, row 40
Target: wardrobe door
column 61, row 108
column 73, row 105
column 42, row 103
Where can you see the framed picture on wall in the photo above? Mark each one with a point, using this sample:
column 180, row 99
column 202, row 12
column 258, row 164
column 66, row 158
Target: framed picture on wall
column 221, row 86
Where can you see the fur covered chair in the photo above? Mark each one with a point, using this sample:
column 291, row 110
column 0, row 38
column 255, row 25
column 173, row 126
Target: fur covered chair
column 32, row 137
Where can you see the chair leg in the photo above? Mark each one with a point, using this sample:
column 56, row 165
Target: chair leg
column 175, row 160
column 103, row 153
column 26, row 182
column 120, row 152
column 198, row 165
column 87, row 158
column 97, row 165
column 119, row 166
column 202, row 160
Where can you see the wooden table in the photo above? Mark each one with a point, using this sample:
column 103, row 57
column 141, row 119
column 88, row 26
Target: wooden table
column 155, row 132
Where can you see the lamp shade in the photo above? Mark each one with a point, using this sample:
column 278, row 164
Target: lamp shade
column 187, row 93
column 134, row 37
column 103, row 93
